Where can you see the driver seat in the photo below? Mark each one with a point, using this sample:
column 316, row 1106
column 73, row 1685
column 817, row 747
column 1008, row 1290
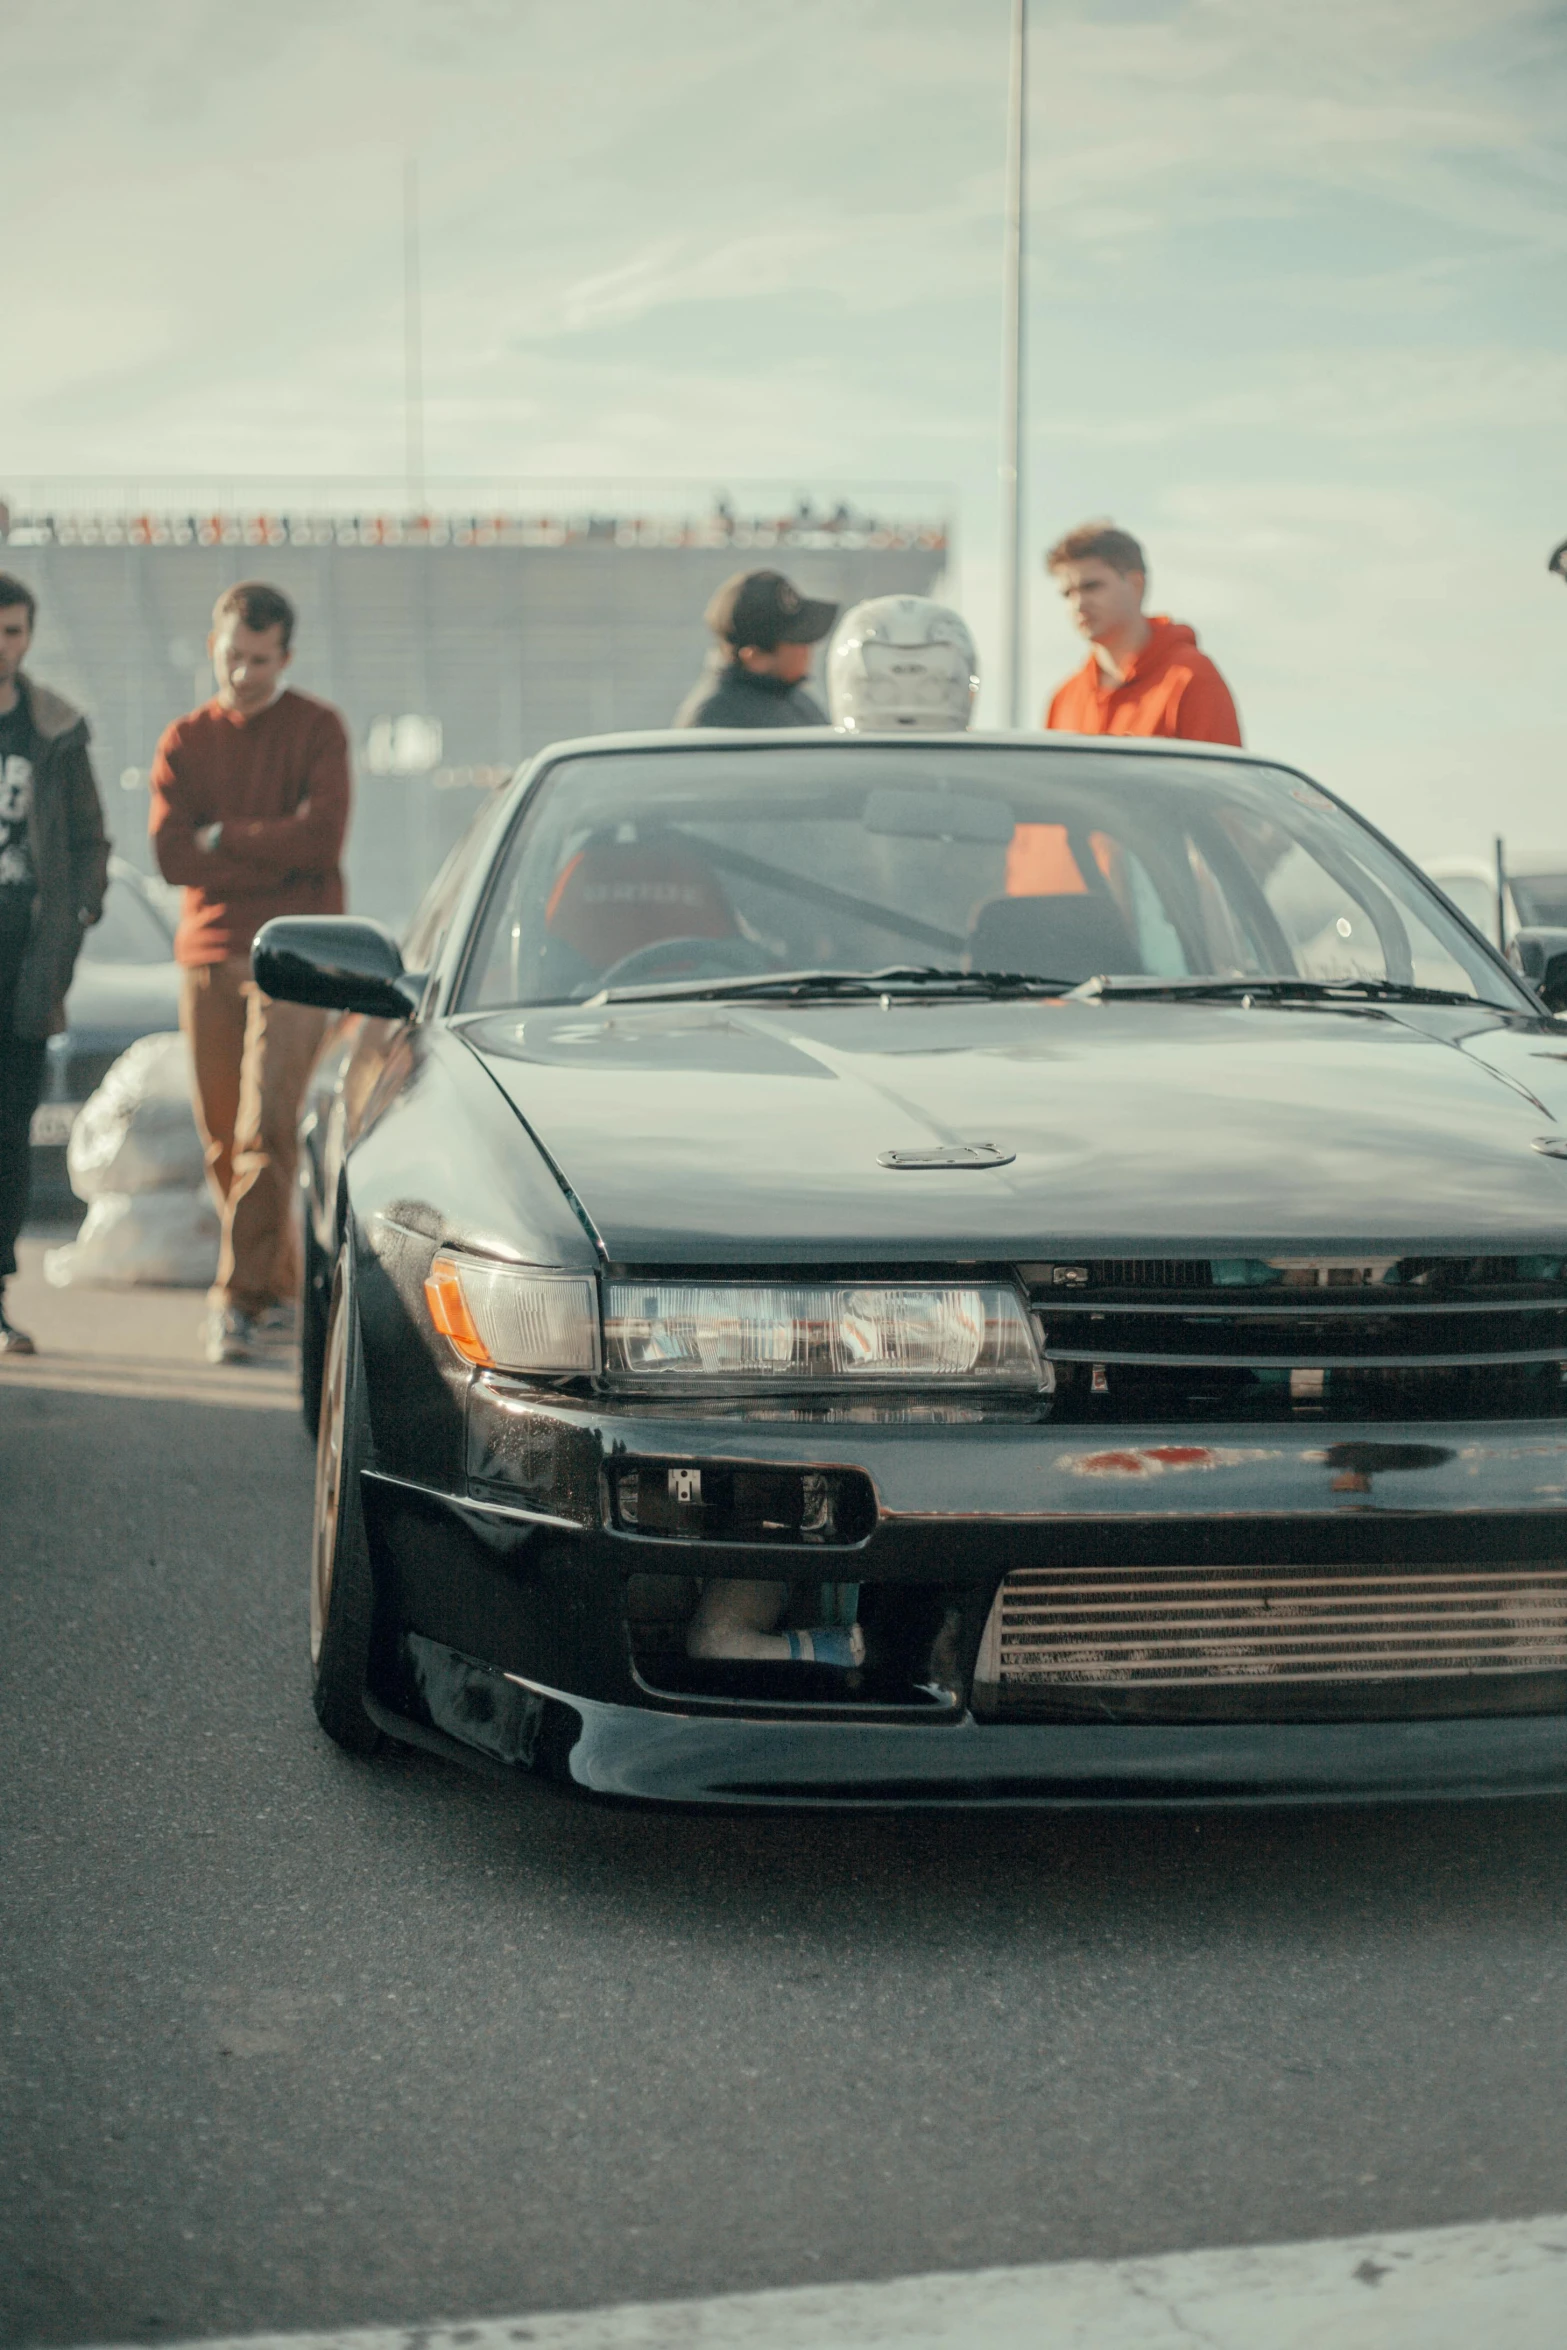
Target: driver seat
column 616, row 897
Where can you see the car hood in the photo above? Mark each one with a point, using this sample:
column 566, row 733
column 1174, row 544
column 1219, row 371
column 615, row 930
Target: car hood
column 706, row 1132
column 133, row 998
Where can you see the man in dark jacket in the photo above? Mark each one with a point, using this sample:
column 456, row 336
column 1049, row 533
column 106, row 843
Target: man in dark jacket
column 755, row 675
column 54, row 862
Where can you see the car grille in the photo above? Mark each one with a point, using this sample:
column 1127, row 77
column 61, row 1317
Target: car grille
column 1179, row 1641
column 1411, row 1338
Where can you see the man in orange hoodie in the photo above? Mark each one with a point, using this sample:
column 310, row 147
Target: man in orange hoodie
column 1144, row 674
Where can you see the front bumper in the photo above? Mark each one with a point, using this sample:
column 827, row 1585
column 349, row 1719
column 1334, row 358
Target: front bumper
column 964, row 1467
column 517, row 1585
column 624, row 1751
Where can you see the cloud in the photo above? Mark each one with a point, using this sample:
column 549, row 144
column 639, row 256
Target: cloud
column 723, row 155
column 1298, row 294
column 1350, row 392
column 1409, row 652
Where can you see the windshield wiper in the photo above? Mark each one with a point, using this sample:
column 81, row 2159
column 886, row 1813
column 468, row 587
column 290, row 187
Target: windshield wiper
column 1285, row 990
column 929, row 979
column 895, row 979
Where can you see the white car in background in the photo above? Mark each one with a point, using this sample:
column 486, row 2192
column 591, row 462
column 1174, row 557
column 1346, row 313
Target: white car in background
column 1534, row 893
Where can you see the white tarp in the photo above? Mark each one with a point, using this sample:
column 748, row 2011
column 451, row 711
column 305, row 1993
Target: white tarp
column 136, row 1158
column 138, row 1132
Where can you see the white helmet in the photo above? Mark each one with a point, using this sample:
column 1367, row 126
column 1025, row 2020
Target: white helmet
column 902, row 662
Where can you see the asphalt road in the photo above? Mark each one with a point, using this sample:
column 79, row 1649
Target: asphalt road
column 295, row 2041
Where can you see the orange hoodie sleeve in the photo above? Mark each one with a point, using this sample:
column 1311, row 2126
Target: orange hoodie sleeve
column 1070, row 709
column 1206, row 712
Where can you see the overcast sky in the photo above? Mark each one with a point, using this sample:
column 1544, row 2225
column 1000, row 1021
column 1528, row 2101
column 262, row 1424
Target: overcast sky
column 1298, row 304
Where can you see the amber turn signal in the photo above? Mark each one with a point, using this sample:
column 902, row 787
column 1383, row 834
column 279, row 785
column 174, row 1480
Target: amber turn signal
column 443, row 1294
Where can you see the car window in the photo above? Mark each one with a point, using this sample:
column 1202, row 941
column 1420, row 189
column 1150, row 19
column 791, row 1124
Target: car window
column 1338, row 921
column 1472, row 895
column 130, row 931
column 1158, row 941
column 432, row 916
column 640, row 866
column 1540, row 898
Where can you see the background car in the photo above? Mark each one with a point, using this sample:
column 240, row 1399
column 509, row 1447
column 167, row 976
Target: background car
column 126, row 985
column 995, row 1269
column 1534, row 890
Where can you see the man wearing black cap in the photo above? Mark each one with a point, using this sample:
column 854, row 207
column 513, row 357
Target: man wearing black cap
column 755, row 675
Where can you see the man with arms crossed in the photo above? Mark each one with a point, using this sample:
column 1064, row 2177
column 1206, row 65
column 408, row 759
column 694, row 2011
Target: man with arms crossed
column 54, row 861
column 1144, row 674
column 249, row 808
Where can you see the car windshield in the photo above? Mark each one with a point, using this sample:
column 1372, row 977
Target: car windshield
column 637, row 869
column 130, row 931
column 1473, row 894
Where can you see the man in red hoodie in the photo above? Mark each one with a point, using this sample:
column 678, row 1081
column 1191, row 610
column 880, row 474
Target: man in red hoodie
column 249, row 808
column 1144, row 674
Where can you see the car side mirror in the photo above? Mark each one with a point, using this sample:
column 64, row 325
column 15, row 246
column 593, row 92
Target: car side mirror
column 1541, row 955
column 336, row 961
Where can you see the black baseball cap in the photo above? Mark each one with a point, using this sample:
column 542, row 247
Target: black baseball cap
column 1558, row 561
column 764, row 609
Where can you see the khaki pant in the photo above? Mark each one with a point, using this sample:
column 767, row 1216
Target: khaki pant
column 252, row 1060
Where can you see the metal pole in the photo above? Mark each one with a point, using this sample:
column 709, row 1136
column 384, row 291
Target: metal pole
column 1012, row 596
column 1501, row 893
column 413, row 341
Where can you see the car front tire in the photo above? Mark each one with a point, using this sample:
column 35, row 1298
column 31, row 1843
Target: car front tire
column 342, row 1590
column 314, row 1311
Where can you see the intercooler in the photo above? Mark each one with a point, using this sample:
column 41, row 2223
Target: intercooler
column 1223, row 1640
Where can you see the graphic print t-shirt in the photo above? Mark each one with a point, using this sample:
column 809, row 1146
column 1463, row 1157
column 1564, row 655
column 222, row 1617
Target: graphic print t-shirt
column 16, row 854
column 16, row 804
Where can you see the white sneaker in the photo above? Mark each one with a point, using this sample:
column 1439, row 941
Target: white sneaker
column 274, row 1326
column 12, row 1340
column 229, row 1336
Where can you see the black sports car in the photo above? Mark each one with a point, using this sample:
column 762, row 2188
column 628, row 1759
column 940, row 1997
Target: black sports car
column 967, row 1269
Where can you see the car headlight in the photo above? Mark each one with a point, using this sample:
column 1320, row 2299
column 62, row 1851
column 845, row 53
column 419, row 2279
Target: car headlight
column 856, row 1335
column 515, row 1317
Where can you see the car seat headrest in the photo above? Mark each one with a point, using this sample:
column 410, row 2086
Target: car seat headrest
column 1074, row 937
